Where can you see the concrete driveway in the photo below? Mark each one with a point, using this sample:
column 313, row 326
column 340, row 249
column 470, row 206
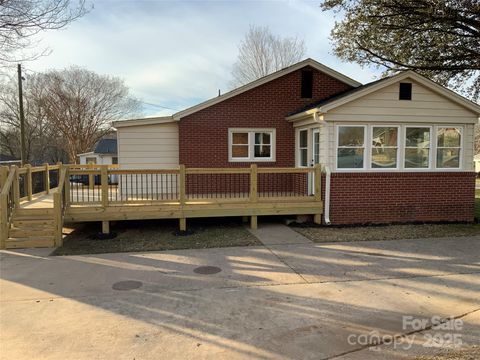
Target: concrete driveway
column 283, row 301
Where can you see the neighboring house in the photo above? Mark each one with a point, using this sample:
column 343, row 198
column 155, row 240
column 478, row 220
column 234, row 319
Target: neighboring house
column 105, row 153
column 7, row 160
column 400, row 149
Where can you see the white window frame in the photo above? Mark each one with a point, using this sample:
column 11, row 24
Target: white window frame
column 299, row 148
column 366, row 157
column 251, row 144
column 371, row 147
column 432, row 150
column 461, row 148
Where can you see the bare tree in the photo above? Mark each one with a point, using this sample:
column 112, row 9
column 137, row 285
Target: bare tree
column 262, row 53
column 20, row 20
column 66, row 113
column 81, row 105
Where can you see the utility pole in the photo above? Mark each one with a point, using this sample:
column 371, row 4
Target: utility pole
column 22, row 116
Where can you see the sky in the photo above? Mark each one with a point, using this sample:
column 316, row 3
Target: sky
column 175, row 54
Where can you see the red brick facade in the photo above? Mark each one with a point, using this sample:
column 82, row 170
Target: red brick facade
column 203, row 136
column 400, row 197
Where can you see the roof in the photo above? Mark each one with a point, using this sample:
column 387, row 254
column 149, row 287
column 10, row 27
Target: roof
column 263, row 80
column 143, row 121
column 335, row 101
column 5, row 157
column 106, row 146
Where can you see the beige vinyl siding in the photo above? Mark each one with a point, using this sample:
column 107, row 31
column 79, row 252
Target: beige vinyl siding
column 468, row 147
column 384, row 105
column 148, row 146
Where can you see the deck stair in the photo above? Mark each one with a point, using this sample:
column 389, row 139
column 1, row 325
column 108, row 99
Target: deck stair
column 31, row 228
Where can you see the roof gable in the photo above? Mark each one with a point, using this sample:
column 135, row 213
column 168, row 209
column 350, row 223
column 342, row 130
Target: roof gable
column 308, row 62
column 329, row 104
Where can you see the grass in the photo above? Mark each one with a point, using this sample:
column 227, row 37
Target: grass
column 155, row 235
column 392, row 232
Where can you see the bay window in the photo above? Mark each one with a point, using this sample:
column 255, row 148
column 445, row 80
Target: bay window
column 251, row 145
column 351, row 147
column 397, row 147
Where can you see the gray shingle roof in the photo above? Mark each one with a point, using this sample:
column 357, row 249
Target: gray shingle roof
column 106, row 146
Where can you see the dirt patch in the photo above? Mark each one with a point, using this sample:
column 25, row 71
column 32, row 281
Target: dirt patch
column 386, row 232
column 470, row 353
column 152, row 235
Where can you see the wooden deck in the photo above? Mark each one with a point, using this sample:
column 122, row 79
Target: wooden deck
column 151, row 194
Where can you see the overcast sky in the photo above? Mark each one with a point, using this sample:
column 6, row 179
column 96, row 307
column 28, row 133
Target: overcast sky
column 176, row 54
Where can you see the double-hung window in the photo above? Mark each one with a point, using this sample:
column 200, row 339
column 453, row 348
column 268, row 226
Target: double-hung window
column 303, row 147
column 417, row 147
column 449, row 140
column 351, row 147
column 251, row 145
column 384, row 153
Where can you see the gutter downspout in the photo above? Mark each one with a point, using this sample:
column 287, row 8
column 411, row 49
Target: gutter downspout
column 328, row 174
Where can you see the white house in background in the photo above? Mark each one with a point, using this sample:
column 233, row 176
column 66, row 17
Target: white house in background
column 476, row 160
column 105, row 153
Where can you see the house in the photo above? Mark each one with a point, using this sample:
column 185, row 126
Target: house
column 105, row 153
column 7, row 160
column 399, row 149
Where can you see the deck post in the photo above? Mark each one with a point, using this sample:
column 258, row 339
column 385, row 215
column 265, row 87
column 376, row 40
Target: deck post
column 105, row 227
column 16, row 186
column 104, row 184
column 3, row 176
column 46, row 178
column 253, row 222
column 28, row 181
column 67, row 187
column 182, row 196
column 317, row 218
column 183, row 224
column 3, row 220
column 253, row 192
column 57, row 208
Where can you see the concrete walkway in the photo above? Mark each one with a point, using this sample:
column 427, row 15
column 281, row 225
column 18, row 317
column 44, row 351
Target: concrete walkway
column 278, row 234
column 287, row 301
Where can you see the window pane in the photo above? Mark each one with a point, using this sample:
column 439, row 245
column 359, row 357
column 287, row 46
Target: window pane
column 303, row 138
column 239, row 151
column 350, row 136
column 416, row 158
column 417, row 137
column 350, row 158
column 448, row 158
column 262, row 138
column 303, row 157
column 384, row 158
column 448, row 137
column 384, row 136
column 240, row 138
column 262, row 151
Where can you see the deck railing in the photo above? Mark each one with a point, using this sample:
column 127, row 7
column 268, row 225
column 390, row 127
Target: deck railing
column 7, row 202
column 105, row 185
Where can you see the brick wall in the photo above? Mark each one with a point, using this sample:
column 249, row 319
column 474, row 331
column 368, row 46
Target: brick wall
column 396, row 197
column 203, row 136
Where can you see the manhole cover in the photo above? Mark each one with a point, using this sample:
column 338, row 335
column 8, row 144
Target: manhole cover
column 127, row 285
column 207, row 270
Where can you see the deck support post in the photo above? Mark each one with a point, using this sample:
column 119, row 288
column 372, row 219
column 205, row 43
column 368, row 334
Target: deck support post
column 3, row 220
column 105, row 227
column 183, row 224
column 253, row 222
column 46, row 178
column 28, row 181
